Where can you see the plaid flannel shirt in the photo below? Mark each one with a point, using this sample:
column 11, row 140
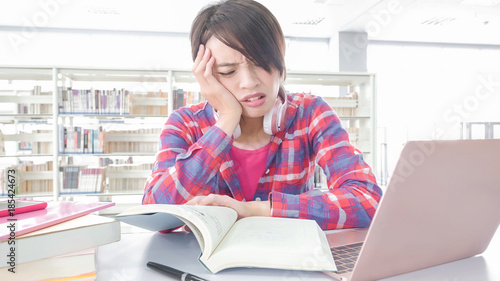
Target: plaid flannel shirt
column 194, row 159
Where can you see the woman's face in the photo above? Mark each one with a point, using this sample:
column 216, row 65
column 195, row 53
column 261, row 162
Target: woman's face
column 254, row 88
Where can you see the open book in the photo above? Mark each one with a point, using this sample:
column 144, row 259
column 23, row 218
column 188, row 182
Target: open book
column 226, row 242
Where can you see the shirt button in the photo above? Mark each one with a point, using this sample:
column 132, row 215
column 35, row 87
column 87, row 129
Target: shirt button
column 267, row 171
column 257, row 199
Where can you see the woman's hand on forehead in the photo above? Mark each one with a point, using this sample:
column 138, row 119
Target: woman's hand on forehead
column 217, row 95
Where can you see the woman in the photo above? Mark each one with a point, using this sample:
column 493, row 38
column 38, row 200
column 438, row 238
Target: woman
column 251, row 146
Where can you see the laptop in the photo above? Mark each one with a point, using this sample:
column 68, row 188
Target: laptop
column 442, row 204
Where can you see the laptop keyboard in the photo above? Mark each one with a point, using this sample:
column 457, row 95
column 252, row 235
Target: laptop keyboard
column 345, row 256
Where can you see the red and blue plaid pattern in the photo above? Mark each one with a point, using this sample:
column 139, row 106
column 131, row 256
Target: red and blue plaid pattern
column 194, row 159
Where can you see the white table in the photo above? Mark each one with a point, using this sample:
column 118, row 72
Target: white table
column 126, row 261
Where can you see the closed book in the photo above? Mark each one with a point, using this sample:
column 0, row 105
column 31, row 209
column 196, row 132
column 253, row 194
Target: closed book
column 67, row 237
column 56, row 212
column 79, row 265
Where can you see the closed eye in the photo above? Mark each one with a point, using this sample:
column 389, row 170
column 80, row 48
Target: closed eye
column 226, row 73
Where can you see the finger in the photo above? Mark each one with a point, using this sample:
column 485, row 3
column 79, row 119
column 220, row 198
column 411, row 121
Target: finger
column 208, row 74
column 194, row 200
column 208, row 200
column 199, row 72
column 202, row 200
column 221, row 200
column 203, row 62
column 199, row 56
column 209, row 69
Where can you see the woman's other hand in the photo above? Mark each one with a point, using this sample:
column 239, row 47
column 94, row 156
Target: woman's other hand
column 244, row 209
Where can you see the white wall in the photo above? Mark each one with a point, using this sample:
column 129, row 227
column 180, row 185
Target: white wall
column 94, row 49
column 107, row 49
column 424, row 92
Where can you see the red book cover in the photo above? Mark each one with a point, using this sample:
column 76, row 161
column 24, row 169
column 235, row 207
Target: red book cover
column 56, row 212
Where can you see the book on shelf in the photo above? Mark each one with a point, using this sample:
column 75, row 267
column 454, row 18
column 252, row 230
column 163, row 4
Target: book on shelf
column 185, row 98
column 80, row 179
column 28, row 143
column 111, row 102
column 79, row 265
column 147, row 104
column 24, row 145
column 225, row 242
column 128, row 184
column 93, row 101
column 344, row 106
column 35, row 108
column 178, row 98
column 26, row 186
column 91, row 179
column 41, row 147
column 2, row 144
column 38, row 185
column 56, row 212
column 122, row 144
column 73, row 235
column 70, row 178
column 78, row 140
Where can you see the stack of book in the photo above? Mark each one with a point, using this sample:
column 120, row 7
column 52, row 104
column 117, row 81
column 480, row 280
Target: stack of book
column 55, row 243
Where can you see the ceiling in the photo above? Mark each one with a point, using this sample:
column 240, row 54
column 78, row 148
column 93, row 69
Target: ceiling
column 441, row 21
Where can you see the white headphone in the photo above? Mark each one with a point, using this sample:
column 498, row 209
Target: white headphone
column 275, row 120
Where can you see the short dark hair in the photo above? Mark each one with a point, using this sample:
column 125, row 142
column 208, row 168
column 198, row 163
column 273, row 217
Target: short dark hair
column 246, row 26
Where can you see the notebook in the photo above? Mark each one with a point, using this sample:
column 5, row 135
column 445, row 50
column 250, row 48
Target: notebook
column 441, row 205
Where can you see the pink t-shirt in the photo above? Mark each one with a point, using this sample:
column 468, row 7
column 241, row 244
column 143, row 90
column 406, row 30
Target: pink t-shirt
column 249, row 165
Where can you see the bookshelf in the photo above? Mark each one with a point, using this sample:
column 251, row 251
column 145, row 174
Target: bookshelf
column 26, row 113
column 353, row 97
column 98, row 136
column 100, row 121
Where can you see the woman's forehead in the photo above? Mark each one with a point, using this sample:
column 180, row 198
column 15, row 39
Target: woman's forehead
column 224, row 55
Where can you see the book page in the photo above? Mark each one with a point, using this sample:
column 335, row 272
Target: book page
column 208, row 223
column 273, row 243
column 212, row 222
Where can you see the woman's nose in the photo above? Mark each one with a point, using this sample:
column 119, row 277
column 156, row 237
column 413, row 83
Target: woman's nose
column 249, row 78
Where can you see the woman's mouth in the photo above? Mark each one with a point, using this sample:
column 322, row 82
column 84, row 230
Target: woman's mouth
column 254, row 100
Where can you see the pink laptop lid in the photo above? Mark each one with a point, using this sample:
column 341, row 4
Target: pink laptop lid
column 442, row 204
